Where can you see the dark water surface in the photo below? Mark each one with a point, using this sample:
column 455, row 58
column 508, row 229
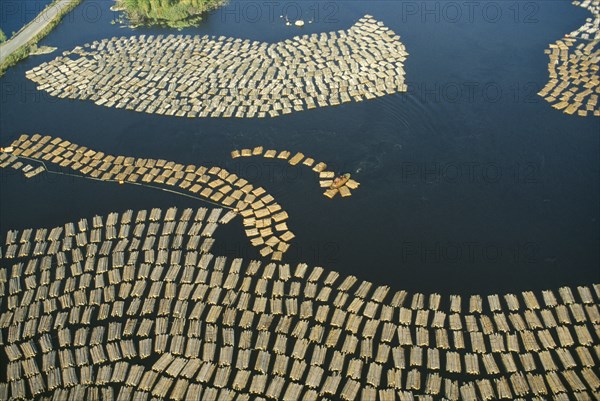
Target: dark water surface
column 15, row 14
column 471, row 183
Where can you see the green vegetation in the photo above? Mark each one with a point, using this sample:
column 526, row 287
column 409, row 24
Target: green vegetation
column 18, row 55
column 24, row 51
column 36, row 51
column 173, row 13
column 2, row 36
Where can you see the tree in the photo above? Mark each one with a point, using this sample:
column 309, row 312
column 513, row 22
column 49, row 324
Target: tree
column 175, row 13
column 2, row 36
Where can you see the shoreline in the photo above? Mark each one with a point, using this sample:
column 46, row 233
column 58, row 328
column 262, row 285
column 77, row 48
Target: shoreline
column 19, row 46
column 138, row 16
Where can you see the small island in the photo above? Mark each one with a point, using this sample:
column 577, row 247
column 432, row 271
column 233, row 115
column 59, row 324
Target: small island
column 172, row 13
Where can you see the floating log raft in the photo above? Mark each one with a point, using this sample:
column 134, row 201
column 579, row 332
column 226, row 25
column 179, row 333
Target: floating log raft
column 142, row 316
column 325, row 177
column 259, row 209
column 589, row 30
column 574, row 78
column 187, row 76
column 8, row 160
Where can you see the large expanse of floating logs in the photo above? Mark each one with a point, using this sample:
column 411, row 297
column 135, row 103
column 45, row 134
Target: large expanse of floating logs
column 265, row 221
column 133, row 306
column 574, row 84
column 326, row 177
column 223, row 77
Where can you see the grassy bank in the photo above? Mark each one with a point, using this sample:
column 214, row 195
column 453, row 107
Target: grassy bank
column 172, row 13
column 24, row 51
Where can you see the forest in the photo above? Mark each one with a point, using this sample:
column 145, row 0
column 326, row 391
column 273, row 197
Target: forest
column 175, row 13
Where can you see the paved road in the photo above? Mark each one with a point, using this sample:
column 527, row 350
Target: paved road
column 31, row 30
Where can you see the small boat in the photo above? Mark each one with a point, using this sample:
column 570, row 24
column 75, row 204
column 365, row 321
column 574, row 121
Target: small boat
column 339, row 181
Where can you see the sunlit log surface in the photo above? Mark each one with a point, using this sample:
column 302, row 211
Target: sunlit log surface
column 187, row 76
column 326, row 177
column 265, row 220
column 574, row 84
column 130, row 306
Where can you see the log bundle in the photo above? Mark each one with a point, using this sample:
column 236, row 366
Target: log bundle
column 134, row 306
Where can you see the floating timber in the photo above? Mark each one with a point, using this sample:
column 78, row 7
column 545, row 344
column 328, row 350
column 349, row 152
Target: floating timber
column 202, row 76
column 574, row 78
column 325, row 177
column 264, row 218
column 139, row 315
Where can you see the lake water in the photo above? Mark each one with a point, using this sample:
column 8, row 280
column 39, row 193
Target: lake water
column 15, row 14
column 470, row 182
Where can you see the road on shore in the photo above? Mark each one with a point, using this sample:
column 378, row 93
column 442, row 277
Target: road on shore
column 40, row 22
